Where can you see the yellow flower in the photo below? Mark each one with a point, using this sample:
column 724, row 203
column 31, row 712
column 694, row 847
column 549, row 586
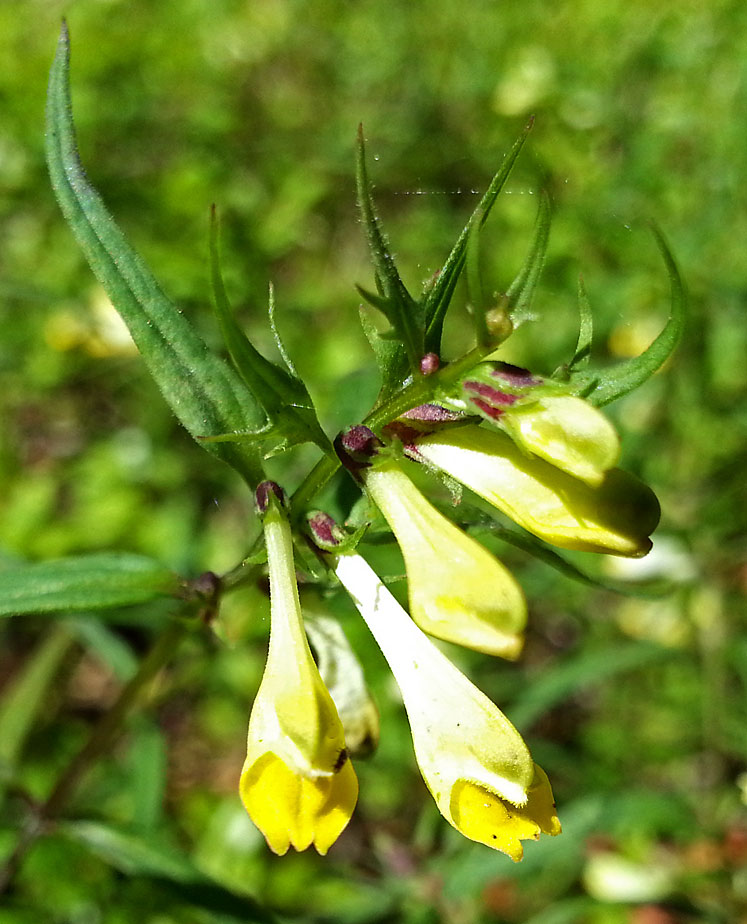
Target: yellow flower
column 616, row 516
column 565, row 430
column 474, row 762
column 458, row 591
column 568, row 432
column 297, row 783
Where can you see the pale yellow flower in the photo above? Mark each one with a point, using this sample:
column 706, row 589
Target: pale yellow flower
column 615, row 516
column 474, row 762
column 458, row 591
column 568, row 432
column 297, row 784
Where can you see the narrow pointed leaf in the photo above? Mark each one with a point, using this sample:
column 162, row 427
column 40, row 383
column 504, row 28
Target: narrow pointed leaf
column 626, row 376
column 586, row 329
column 288, row 408
column 401, row 310
column 25, row 694
column 87, row 582
column 474, row 284
column 439, row 297
column 202, row 390
column 521, row 290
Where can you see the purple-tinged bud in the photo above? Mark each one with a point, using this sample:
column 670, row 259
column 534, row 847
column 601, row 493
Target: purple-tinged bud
column 429, row 363
column 432, row 413
column 206, row 586
column 356, row 447
column 417, row 422
column 515, row 375
column 324, row 530
column 266, row 491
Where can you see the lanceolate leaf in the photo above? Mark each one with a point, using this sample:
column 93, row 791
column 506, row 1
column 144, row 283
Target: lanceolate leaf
column 623, row 378
column 521, row 290
column 586, row 329
column 203, row 391
column 439, row 297
column 289, row 412
column 88, row 582
column 401, row 310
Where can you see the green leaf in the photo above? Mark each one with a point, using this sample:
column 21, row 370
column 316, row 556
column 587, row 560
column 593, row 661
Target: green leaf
column 24, row 696
column 439, row 297
column 579, row 672
column 474, row 284
column 89, row 582
column 390, row 357
column 585, row 331
column 289, row 412
column 625, row 377
column 544, row 553
column 107, row 646
column 202, row 390
column 166, row 869
column 521, row 290
column 399, row 307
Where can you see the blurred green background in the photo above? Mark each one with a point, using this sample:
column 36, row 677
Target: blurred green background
column 635, row 707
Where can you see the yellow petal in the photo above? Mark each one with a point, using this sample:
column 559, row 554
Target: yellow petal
column 616, row 516
column 482, row 816
column 293, row 811
column 568, row 432
column 458, row 591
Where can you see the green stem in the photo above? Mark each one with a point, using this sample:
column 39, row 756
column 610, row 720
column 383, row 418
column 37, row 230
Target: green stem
column 420, row 391
column 100, row 741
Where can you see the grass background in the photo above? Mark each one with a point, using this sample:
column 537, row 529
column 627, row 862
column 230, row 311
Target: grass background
column 635, row 707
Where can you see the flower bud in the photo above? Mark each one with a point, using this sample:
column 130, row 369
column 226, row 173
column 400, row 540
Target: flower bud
column 269, row 492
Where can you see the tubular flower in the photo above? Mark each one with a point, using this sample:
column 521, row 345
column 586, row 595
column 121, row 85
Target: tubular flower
column 458, row 591
column 615, row 516
column 474, row 762
column 297, row 784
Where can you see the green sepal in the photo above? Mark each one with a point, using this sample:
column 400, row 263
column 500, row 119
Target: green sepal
column 623, row 378
column 201, row 389
column 402, row 311
column 86, row 582
column 438, row 297
column 290, row 417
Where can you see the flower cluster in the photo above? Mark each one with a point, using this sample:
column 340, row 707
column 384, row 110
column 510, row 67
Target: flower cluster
column 546, row 461
column 538, row 450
